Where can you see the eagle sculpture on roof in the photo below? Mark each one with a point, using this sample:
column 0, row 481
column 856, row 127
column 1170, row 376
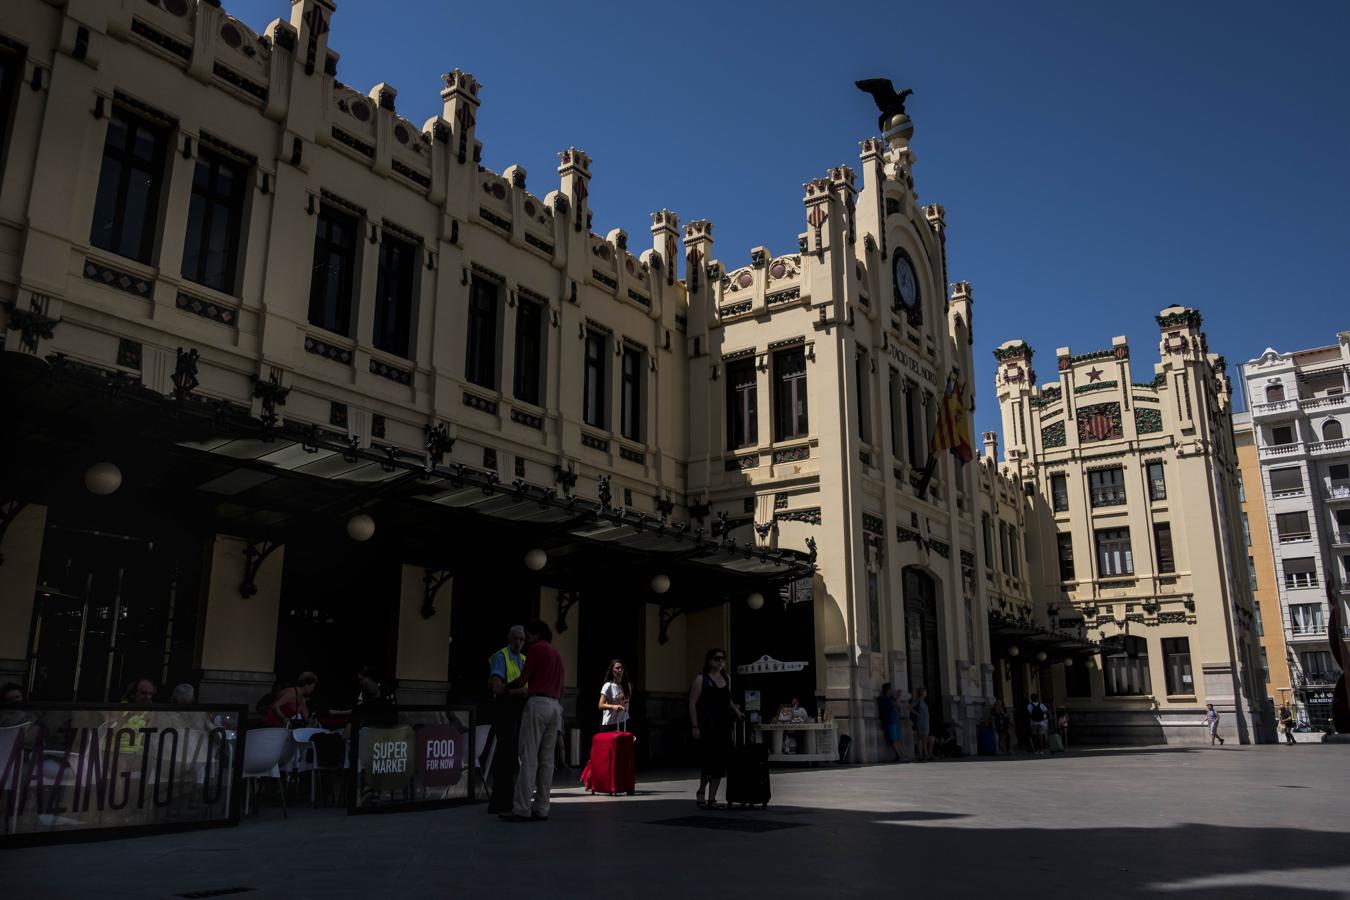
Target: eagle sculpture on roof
column 888, row 100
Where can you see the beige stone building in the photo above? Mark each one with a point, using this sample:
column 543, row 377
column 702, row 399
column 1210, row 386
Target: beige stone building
column 295, row 383
column 1135, row 529
column 1261, row 570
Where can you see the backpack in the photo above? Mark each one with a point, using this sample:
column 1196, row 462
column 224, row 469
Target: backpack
column 1038, row 712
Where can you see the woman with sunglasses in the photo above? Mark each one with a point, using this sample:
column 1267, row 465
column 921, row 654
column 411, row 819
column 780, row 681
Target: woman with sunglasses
column 711, row 711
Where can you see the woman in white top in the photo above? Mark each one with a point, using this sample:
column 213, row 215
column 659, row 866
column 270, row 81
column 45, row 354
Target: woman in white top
column 615, row 697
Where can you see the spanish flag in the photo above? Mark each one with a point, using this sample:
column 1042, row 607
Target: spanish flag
column 952, row 431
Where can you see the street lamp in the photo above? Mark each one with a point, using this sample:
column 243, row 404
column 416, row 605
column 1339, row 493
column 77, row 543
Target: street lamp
column 754, row 600
column 360, row 527
column 660, row 583
column 1013, row 650
column 535, row 559
column 103, row 478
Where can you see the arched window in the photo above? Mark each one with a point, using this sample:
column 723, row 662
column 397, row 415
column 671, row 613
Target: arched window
column 1331, row 431
column 1274, row 393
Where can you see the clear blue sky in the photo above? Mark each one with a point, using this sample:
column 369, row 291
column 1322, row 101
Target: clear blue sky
column 1098, row 161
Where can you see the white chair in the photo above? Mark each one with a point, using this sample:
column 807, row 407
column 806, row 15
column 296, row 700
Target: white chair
column 305, row 758
column 266, row 751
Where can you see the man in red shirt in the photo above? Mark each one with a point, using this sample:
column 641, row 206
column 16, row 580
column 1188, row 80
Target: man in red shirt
column 539, row 724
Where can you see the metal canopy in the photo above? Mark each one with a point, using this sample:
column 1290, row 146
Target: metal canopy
column 260, row 477
column 1056, row 643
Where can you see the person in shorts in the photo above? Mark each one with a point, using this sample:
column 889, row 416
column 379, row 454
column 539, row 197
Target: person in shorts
column 1039, row 715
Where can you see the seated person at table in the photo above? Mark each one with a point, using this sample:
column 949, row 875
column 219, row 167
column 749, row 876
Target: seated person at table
column 784, row 713
column 799, row 714
column 290, row 706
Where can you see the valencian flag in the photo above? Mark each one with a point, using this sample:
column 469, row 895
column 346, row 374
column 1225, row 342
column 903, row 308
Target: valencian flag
column 951, row 432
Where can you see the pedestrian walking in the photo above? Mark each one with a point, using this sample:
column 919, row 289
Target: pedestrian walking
column 1063, row 724
column 508, row 704
column 1288, row 723
column 890, row 719
column 1212, row 720
column 711, row 711
column 615, row 697
column 923, row 724
column 539, row 725
column 1039, row 716
column 1002, row 727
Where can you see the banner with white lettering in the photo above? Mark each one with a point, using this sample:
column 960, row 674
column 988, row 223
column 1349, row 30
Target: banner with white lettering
column 442, row 752
column 387, row 757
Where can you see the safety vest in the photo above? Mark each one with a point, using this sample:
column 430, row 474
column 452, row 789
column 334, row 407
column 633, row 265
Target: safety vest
column 512, row 670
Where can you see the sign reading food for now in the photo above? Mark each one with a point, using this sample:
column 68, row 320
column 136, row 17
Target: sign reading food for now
column 388, row 758
column 441, row 754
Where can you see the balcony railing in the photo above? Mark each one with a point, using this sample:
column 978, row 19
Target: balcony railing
column 1282, row 449
column 1330, row 448
column 1291, row 537
column 1324, row 404
column 1338, row 490
column 1340, row 538
column 1260, row 410
column 1302, row 580
column 1308, row 630
column 1108, row 496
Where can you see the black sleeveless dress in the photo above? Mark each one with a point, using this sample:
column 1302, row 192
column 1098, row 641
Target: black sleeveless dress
column 714, row 727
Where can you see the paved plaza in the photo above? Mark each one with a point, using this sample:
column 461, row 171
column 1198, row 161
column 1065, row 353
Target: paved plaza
column 1167, row 821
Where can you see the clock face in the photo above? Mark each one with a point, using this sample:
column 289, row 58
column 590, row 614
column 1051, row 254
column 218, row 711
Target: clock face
column 906, row 285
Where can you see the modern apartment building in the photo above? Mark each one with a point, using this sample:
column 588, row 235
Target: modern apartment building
column 1300, row 413
column 1135, row 529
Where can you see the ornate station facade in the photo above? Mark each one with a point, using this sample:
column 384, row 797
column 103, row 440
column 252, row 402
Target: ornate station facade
column 1134, row 531
column 293, row 383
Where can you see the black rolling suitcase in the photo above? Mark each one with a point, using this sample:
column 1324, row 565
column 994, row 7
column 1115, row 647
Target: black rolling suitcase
column 748, row 771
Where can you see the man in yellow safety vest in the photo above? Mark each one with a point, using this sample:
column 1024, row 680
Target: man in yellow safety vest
column 505, row 666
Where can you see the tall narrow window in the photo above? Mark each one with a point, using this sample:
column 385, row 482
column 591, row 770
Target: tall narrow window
column 394, row 296
column 1307, row 618
column 1265, row 666
column 1282, row 435
column 1300, row 572
column 742, row 415
column 1162, row 539
column 860, row 380
column 1059, row 491
column 1003, row 545
column 1246, row 530
column 1242, row 489
column 1260, row 623
column 214, row 217
column 630, row 382
column 1114, row 556
column 988, row 540
column 1157, row 482
column 1290, row 527
column 11, row 74
column 1177, row 665
column 330, row 284
column 1064, row 544
column 126, row 209
column 593, row 390
column 1015, row 550
column 1287, row 480
column 1125, row 668
column 790, row 413
column 1107, row 486
column 1332, row 431
column 914, row 449
column 529, row 351
column 480, row 356
column 1251, row 571
column 896, row 403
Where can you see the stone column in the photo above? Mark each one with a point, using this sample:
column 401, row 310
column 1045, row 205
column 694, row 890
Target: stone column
column 423, row 661
column 239, row 634
column 22, row 550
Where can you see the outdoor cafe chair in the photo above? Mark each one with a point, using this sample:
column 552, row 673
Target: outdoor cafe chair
column 266, row 751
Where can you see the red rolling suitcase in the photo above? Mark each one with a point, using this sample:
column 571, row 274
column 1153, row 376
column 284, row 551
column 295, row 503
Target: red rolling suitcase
column 611, row 768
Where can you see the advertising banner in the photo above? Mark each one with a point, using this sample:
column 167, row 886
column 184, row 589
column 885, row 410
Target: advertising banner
column 387, row 757
column 442, row 753
column 76, row 768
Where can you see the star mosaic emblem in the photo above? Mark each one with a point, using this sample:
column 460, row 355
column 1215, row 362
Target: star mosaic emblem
column 1094, row 374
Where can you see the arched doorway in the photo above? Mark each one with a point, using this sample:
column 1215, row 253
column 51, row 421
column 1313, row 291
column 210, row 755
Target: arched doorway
column 921, row 639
